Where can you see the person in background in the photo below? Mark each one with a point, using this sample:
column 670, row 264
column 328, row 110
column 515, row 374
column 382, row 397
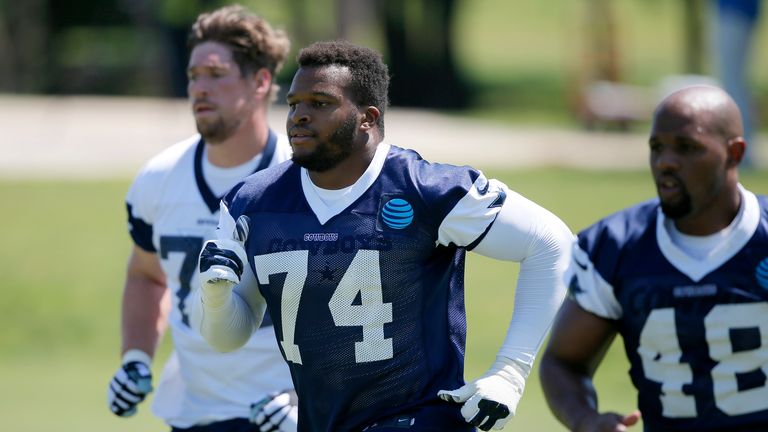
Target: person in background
column 735, row 23
column 173, row 207
column 683, row 278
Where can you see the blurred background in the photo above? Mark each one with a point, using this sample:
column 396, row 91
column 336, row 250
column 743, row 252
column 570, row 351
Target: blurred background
column 552, row 97
column 591, row 63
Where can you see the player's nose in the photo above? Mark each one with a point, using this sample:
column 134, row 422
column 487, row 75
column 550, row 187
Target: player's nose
column 197, row 89
column 665, row 159
column 298, row 114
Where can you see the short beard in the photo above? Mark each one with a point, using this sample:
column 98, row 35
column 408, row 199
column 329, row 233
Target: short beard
column 679, row 209
column 325, row 156
column 217, row 131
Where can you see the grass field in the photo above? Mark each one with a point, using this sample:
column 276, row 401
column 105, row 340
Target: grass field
column 65, row 246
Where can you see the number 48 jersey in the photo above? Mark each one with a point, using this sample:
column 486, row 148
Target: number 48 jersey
column 695, row 331
column 366, row 293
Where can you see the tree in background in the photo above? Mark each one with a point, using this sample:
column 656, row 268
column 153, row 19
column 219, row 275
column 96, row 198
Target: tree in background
column 416, row 37
column 138, row 47
column 694, row 17
column 419, row 46
column 24, row 40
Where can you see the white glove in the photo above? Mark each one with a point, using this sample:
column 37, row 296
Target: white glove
column 221, row 265
column 276, row 412
column 490, row 401
column 130, row 385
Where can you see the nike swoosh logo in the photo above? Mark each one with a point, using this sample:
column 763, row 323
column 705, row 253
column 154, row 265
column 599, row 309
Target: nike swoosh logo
column 581, row 266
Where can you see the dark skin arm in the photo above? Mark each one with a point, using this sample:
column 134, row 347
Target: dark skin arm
column 577, row 345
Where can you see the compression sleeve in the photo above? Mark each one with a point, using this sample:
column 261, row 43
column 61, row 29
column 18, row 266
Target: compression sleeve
column 228, row 321
column 527, row 233
column 227, row 318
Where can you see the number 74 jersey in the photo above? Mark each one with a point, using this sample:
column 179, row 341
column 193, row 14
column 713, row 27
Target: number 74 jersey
column 695, row 331
column 366, row 293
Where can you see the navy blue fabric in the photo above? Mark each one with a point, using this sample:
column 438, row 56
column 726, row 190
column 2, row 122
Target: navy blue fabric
column 748, row 8
column 213, row 255
column 439, row 416
column 141, row 231
column 233, row 425
column 624, row 250
column 422, row 281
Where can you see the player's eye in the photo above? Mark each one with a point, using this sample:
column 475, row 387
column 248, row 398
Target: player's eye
column 685, row 147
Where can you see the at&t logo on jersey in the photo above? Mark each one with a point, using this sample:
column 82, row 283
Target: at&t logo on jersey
column 761, row 273
column 396, row 213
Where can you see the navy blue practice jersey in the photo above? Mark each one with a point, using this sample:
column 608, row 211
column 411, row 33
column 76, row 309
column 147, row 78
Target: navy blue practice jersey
column 695, row 330
column 367, row 296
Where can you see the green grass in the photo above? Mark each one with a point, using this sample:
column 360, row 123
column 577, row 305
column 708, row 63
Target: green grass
column 63, row 262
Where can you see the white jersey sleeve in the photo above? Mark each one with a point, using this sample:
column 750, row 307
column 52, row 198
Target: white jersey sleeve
column 595, row 293
column 144, row 196
column 470, row 218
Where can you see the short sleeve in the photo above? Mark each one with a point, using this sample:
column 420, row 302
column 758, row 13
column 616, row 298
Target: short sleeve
column 589, row 289
column 471, row 217
column 139, row 203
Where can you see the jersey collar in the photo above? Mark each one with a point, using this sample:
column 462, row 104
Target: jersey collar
column 324, row 212
column 210, row 199
column 697, row 269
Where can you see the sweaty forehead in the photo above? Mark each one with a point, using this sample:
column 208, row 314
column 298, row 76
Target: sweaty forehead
column 708, row 109
column 683, row 119
column 335, row 74
column 331, row 78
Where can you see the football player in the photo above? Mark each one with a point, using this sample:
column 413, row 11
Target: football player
column 173, row 208
column 357, row 249
column 683, row 278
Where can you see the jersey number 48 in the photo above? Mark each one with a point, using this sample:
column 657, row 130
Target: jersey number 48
column 662, row 357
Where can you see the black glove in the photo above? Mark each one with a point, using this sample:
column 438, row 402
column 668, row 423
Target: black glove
column 130, row 385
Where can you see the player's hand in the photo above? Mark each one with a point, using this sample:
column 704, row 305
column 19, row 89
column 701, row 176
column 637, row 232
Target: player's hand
column 608, row 422
column 276, row 412
column 490, row 401
column 130, row 385
column 222, row 261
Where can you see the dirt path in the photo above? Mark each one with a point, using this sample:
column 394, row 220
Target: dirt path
column 95, row 137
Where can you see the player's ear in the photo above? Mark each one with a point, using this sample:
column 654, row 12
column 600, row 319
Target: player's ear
column 262, row 82
column 735, row 148
column 369, row 118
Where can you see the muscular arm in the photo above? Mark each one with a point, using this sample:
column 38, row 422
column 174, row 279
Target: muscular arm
column 146, row 303
column 577, row 345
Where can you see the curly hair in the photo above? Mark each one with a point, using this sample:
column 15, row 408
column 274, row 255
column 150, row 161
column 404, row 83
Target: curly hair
column 253, row 41
column 370, row 77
